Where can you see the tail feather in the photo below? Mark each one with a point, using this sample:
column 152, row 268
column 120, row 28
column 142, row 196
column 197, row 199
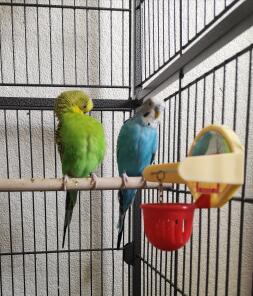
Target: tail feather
column 126, row 198
column 69, row 206
column 120, row 227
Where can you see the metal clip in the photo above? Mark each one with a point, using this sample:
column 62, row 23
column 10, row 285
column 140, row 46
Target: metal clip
column 160, row 175
column 160, row 196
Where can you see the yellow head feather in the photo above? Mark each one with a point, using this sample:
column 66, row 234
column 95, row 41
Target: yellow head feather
column 73, row 101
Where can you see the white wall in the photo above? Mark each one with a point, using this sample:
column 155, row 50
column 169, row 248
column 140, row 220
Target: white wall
column 13, row 201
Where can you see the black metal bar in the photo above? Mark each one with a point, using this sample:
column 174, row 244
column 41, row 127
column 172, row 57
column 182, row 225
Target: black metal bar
column 205, row 12
column 99, row 43
column 60, row 251
column 130, row 50
column 149, row 42
column 38, row 41
column 21, row 201
column 111, row 36
column 63, row 44
column 26, row 58
column 137, row 245
column 75, row 39
column 163, row 59
column 73, row 7
column 218, row 210
column 123, row 240
column 196, row 17
column 33, row 205
column 102, row 226
column 144, row 41
column 158, row 34
column 185, row 194
column 80, row 242
column 13, row 46
column 45, row 196
column 28, row 103
column 9, row 200
column 200, row 220
column 147, row 252
column 144, row 275
column 56, row 206
column 113, row 202
column 174, row 193
column 1, row 281
column 1, row 58
column 152, row 249
column 174, row 27
column 91, row 240
column 247, row 125
column 87, row 44
column 50, row 44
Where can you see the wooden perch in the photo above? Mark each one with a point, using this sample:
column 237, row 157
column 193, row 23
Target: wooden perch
column 50, row 184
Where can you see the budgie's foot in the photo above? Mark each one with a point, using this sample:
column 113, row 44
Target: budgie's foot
column 64, row 182
column 94, row 179
column 124, row 180
column 144, row 182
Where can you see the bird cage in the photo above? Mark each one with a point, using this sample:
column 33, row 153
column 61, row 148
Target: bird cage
column 197, row 57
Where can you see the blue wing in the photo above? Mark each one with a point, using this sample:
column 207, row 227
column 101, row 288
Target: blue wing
column 136, row 147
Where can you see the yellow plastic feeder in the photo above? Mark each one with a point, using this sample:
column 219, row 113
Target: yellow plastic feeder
column 213, row 171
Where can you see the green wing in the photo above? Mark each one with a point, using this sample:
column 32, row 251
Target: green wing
column 58, row 140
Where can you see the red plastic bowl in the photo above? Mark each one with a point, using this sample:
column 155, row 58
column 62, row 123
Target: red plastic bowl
column 168, row 226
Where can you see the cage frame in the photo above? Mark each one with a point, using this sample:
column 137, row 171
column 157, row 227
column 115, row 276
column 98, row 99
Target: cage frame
column 139, row 90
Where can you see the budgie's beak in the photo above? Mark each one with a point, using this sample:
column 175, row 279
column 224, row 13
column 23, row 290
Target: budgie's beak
column 158, row 110
column 157, row 114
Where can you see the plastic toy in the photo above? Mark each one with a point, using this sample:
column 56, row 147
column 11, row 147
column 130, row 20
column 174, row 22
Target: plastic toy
column 213, row 171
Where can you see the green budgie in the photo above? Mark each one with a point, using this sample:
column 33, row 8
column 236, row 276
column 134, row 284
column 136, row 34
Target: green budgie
column 81, row 143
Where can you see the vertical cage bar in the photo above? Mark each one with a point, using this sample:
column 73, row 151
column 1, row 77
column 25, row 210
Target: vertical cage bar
column 9, row 198
column 113, row 198
column 33, row 205
column 1, row 58
column 56, row 207
column 132, row 47
column 50, row 43
column 137, row 245
column 38, row 39
column 21, row 202
column 239, row 278
column 45, row 195
column 111, row 57
column 80, row 242
column 13, row 45
column 230, row 206
column 87, row 43
column 102, row 223
column 75, row 38
column 91, row 238
column 26, row 52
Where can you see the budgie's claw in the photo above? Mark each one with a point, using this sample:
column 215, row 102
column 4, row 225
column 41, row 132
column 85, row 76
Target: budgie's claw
column 64, row 182
column 94, row 179
column 124, row 180
column 144, row 181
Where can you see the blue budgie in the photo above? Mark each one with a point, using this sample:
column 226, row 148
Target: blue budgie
column 136, row 148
